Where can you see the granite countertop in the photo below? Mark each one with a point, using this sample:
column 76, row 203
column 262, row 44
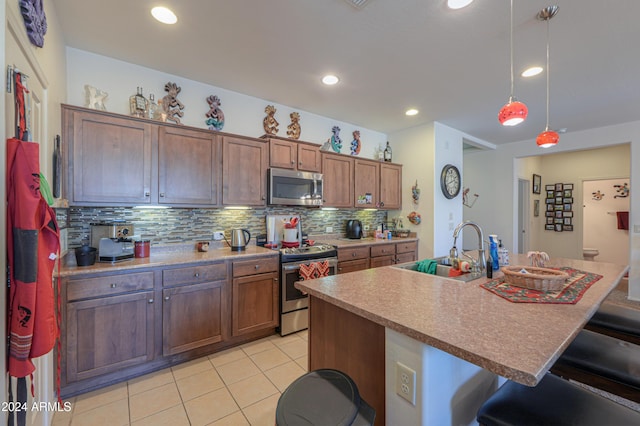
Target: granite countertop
column 164, row 256
column 519, row 341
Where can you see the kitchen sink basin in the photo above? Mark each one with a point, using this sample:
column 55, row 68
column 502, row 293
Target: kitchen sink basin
column 442, row 270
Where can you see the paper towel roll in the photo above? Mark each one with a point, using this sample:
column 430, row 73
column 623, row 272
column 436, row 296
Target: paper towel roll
column 271, row 229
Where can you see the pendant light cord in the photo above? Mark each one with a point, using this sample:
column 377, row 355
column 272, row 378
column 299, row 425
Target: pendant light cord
column 547, row 127
column 511, row 51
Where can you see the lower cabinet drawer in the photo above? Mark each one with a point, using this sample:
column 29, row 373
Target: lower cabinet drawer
column 405, row 257
column 108, row 286
column 406, row 247
column 256, row 266
column 353, row 265
column 194, row 274
column 383, row 250
column 353, row 253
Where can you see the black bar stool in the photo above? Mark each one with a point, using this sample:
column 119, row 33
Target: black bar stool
column 603, row 362
column 616, row 321
column 323, row 397
column 554, row 401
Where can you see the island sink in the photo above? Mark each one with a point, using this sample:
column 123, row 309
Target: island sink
column 442, row 270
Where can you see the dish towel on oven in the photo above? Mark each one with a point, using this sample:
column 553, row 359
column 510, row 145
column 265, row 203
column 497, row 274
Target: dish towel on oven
column 314, row 270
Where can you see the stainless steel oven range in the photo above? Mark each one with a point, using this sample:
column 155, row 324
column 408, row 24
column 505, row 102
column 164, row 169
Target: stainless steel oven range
column 294, row 305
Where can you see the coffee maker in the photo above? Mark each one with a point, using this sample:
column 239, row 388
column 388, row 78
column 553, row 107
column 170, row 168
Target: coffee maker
column 113, row 240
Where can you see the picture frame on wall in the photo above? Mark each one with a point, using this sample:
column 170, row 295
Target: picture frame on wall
column 536, row 208
column 559, row 187
column 567, row 227
column 549, row 227
column 549, row 207
column 537, row 183
column 567, row 186
column 549, row 221
column 558, row 227
column 550, row 187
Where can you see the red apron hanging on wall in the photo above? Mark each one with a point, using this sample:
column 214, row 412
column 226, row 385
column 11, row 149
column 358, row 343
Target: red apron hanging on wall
column 32, row 245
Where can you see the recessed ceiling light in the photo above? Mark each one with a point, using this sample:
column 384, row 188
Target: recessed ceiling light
column 458, row 4
column 530, row 72
column 164, row 15
column 330, row 80
column 412, row 111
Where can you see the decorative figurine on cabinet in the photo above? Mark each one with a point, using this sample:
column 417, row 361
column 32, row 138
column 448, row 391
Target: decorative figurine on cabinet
column 336, row 142
column 215, row 116
column 355, row 143
column 95, row 97
column 270, row 123
column 170, row 104
column 293, row 129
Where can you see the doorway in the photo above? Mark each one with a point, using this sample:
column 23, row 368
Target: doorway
column 605, row 202
column 523, row 215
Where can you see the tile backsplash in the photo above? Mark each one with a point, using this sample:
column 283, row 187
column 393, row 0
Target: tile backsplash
column 179, row 226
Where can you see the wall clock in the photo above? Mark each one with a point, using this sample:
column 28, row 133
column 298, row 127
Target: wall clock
column 450, row 181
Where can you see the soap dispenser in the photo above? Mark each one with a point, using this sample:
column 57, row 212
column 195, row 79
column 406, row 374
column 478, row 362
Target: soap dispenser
column 503, row 254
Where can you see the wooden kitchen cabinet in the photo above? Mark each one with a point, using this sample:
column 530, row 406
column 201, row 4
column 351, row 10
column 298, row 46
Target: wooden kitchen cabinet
column 244, row 164
column 194, row 307
column 382, row 255
column 391, row 186
column 406, row 252
column 189, row 167
column 255, row 295
column 338, row 180
column 107, row 326
column 294, row 155
column 352, row 259
column 109, row 158
column 366, row 184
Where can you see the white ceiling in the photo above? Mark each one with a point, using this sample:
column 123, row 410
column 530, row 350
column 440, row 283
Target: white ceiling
column 390, row 55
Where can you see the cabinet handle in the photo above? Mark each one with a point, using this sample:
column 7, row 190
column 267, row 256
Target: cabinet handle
column 353, row 254
column 162, row 194
column 257, row 267
column 147, row 194
column 275, row 279
column 384, row 251
column 196, row 275
column 166, row 298
column 150, row 300
column 113, row 285
column 300, row 163
column 339, row 269
column 264, row 198
column 293, row 162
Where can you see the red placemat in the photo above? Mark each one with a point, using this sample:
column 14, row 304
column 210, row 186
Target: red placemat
column 577, row 283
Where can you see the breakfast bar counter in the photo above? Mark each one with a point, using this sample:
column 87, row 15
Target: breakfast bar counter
column 516, row 341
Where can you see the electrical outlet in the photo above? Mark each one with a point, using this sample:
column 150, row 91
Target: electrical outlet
column 218, row 235
column 329, row 229
column 406, row 382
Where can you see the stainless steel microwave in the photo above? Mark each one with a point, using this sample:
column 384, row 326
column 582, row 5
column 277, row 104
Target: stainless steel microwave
column 294, row 188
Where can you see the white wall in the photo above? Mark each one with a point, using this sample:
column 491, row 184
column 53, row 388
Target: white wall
column 417, row 156
column 496, row 207
column 243, row 113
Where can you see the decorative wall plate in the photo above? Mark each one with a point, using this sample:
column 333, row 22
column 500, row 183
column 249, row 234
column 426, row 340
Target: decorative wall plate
column 35, row 20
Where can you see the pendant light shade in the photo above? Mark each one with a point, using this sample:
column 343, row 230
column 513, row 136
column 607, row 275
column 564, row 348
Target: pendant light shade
column 548, row 138
column 514, row 112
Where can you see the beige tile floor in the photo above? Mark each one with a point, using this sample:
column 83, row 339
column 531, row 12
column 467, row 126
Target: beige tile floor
column 239, row 386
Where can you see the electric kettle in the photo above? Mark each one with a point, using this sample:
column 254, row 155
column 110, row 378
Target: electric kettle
column 239, row 239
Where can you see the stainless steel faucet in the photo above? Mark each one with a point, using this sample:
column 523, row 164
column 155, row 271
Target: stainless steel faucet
column 481, row 261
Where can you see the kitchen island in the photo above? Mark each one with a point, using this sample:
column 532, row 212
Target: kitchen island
column 460, row 338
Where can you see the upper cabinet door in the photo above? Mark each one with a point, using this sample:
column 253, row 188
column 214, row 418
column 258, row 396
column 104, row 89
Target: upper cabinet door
column 283, row 154
column 309, row 158
column 337, row 171
column 244, row 162
column 110, row 159
column 391, row 186
column 367, row 184
column 189, row 167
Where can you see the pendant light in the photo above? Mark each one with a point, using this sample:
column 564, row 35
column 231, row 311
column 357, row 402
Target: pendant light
column 548, row 138
column 514, row 112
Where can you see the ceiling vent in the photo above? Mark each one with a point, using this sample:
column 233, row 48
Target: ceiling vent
column 358, row 4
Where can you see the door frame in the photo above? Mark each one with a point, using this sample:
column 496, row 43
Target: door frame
column 523, row 222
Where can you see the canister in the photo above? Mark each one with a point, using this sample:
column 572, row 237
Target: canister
column 142, row 248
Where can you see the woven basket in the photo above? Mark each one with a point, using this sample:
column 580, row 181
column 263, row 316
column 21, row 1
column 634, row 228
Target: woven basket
column 403, row 233
column 541, row 279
